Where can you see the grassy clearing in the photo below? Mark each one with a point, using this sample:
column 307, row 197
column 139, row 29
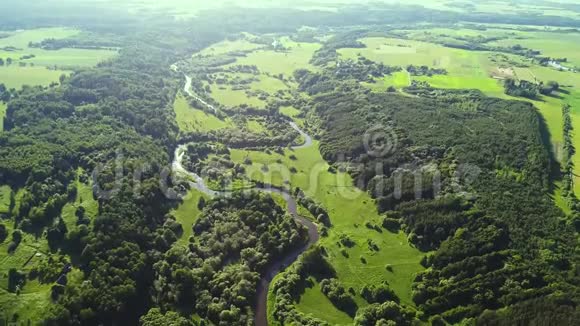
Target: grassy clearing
column 84, row 199
column 555, row 45
column 289, row 111
column 398, row 80
column 298, row 56
column 399, row 52
column 349, row 209
column 314, row 304
column 269, row 84
column 485, row 84
column 32, row 71
column 16, row 46
column 29, row 306
column 229, row 46
column 20, row 39
column 229, row 97
column 256, row 127
column 190, row 119
column 16, row 77
column 187, row 214
column 5, row 192
column 544, row 74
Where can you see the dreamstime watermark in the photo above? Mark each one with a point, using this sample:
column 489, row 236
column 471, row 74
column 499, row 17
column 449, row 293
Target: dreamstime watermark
column 380, row 141
column 346, row 178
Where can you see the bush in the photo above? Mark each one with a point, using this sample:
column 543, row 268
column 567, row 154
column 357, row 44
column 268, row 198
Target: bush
column 391, row 224
column 3, row 233
column 336, row 293
column 378, row 294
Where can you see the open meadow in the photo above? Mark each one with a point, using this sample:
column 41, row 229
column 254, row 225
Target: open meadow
column 37, row 66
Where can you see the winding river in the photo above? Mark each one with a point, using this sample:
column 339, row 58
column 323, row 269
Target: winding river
column 197, row 182
column 187, row 89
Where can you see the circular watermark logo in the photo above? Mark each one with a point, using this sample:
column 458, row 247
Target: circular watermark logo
column 380, row 141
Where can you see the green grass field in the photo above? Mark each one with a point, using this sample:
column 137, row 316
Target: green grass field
column 62, row 58
column 187, row 213
column 225, row 95
column 5, row 192
column 268, row 84
column 398, row 80
column 16, row 77
column 298, row 56
column 485, row 84
column 190, row 119
column 16, row 46
column 312, row 303
column 83, row 199
column 555, row 45
column 399, row 52
column 256, row 126
column 289, row 111
column 229, row 46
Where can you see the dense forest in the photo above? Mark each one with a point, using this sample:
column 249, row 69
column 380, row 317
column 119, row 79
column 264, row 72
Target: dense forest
column 466, row 177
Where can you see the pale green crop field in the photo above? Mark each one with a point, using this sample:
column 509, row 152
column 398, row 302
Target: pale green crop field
column 269, row 84
column 20, row 39
column 514, row 8
column 398, row 52
column 35, row 73
column 555, row 45
column 546, row 74
column 50, row 58
column 398, row 80
column 298, row 56
column 485, row 84
column 229, row 46
column 227, row 96
column 16, row 77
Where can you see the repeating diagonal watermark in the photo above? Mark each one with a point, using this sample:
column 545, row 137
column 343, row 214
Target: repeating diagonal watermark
column 345, row 178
